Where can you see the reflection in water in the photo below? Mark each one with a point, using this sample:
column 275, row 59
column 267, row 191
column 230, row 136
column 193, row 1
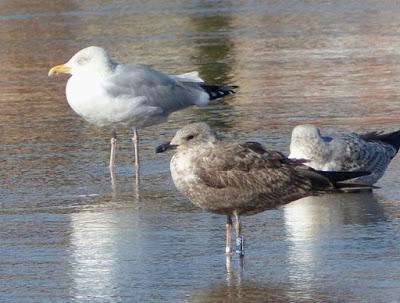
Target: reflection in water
column 335, row 64
column 230, row 272
column 254, row 292
column 214, row 47
column 113, row 181
column 321, row 212
column 318, row 226
column 235, row 290
column 248, row 293
column 94, row 242
column 214, row 55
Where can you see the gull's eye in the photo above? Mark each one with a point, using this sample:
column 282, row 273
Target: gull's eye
column 83, row 60
column 190, row 137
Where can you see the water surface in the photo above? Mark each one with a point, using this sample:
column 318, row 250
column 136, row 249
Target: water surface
column 67, row 236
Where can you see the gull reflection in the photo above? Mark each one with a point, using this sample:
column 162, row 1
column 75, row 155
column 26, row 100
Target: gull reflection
column 98, row 240
column 94, row 245
column 113, row 182
column 319, row 226
column 306, row 217
column 232, row 278
column 240, row 290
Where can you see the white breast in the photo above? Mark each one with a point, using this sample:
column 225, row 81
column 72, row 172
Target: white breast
column 84, row 95
column 88, row 98
column 182, row 169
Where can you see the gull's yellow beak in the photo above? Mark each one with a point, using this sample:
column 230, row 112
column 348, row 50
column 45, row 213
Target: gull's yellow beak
column 59, row 69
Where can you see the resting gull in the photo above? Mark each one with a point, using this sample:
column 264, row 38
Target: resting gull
column 345, row 152
column 235, row 179
column 110, row 94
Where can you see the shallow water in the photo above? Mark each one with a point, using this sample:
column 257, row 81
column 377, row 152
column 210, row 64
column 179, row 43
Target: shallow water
column 67, row 236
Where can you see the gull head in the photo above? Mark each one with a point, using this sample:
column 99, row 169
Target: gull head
column 191, row 135
column 92, row 59
column 305, row 131
column 305, row 141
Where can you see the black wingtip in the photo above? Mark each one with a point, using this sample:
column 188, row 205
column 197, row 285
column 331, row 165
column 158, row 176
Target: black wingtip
column 337, row 176
column 219, row 91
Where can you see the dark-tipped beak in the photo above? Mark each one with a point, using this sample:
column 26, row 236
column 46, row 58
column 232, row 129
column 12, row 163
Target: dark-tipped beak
column 164, row 147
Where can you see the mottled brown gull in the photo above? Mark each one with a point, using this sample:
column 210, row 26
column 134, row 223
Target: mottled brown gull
column 241, row 179
column 345, row 151
column 110, row 94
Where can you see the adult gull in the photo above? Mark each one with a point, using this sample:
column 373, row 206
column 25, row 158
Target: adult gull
column 235, row 179
column 110, row 94
column 345, row 151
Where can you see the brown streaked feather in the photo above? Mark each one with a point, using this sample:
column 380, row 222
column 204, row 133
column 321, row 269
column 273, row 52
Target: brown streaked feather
column 254, row 146
column 237, row 166
column 259, row 148
column 244, row 179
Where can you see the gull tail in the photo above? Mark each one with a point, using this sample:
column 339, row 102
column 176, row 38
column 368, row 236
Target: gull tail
column 331, row 181
column 338, row 176
column 218, row 91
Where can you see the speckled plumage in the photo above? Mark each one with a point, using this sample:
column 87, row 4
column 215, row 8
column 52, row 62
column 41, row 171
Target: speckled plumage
column 229, row 177
column 345, row 152
column 240, row 179
column 244, row 178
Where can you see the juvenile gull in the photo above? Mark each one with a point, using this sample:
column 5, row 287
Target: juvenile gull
column 110, row 94
column 241, row 179
column 345, row 152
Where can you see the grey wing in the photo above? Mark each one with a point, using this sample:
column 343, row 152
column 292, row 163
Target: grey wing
column 159, row 89
column 358, row 154
column 390, row 141
column 266, row 176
